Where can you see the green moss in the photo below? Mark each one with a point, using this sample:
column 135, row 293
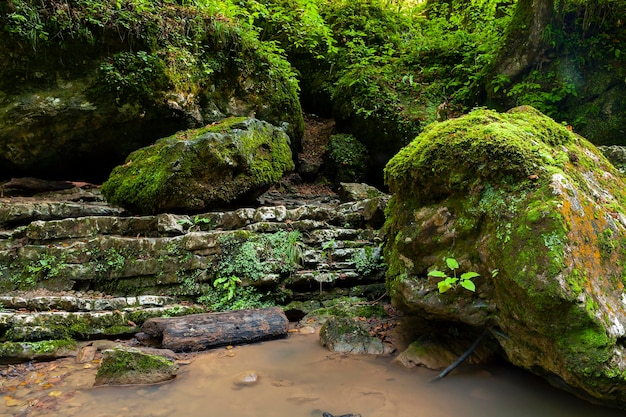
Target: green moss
column 576, row 281
column 486, row 145
column 606, row 242
column 201, row 168
column 48, row 346
column 30, row 350
column 591, row 306
column 220, row 127
column 586, row 349
column 122, row 362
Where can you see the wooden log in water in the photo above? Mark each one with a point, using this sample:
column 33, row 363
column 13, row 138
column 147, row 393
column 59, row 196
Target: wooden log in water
column 203, row 331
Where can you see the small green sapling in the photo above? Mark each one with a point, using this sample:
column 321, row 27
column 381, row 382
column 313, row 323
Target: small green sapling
column 465, row 280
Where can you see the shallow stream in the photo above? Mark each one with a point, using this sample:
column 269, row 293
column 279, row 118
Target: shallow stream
column 299, row 378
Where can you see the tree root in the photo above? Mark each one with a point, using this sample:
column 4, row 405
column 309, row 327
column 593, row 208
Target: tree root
column 461, row 358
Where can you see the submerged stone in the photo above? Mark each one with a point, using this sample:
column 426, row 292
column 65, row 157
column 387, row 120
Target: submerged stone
column 246, row 378
column 537, row 211
column 201, row 169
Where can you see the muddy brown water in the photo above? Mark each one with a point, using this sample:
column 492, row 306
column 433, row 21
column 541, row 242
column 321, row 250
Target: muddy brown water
column 296, row 378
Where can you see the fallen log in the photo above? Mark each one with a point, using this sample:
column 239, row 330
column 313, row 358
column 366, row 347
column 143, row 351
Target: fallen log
column 203, row 331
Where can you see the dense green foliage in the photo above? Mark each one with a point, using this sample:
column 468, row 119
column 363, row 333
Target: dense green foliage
column 248, row 259
column 348, row 158
column 148, row 53
column 384, row 69
column 582, row 38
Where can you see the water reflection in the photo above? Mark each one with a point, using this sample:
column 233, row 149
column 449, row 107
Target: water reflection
column 298, row 377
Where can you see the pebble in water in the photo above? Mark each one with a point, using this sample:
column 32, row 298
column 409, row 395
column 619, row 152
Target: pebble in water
column 246, row 378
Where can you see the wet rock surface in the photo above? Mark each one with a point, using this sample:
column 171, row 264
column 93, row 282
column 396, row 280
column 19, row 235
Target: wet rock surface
column 347, row 335
column 101, row 276
column 131, row 366
column 537, row 211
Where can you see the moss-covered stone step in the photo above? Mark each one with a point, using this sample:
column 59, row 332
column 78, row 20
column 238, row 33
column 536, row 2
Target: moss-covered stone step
column 79, row 303
column 262, row 219
column 21, row 212
column 15, row 352
column 48, row 325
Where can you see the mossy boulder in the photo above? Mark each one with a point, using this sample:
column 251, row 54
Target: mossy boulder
column 537, row 211
column 347, row 335
column 125, row 366
column 201, row 169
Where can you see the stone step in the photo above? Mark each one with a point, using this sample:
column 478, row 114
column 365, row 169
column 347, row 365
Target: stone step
column 309, row 277
column 104, row 220
column 17, row 212
column 79, row 303
column 34, row 326
column 177, row 254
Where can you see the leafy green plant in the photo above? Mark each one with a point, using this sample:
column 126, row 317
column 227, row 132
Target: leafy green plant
column 189, row 282
column 109, row 261
column 135, row 76
column 196, row 224
column 327, row 251
column 47, row 266
column 286, row 250
column 253, row 256
column 227, row 284
column 186, row 223
column 243, row 298
column 367, row 260
column 349, row 158
column 452, row 282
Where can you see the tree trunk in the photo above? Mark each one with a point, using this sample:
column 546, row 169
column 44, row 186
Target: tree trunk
column 524, row 45
column 203, row 331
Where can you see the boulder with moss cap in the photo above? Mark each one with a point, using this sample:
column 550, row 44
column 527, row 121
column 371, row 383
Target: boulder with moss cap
column 201, row 169
column 538, row 212
column 126, row 366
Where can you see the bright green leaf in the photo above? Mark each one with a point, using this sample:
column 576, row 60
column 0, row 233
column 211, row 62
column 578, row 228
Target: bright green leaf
column 470, row 275
column 451, row 280
column 443, row 287
column 438, row 274
column 452, row 263
column 468, row 285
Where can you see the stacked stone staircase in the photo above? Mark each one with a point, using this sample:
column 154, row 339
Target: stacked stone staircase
column 76, row 267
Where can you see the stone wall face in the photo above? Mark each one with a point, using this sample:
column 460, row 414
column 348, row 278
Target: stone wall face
column 301, row 249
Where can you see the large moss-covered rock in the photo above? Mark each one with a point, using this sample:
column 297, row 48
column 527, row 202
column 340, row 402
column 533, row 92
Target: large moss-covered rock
column 82, row 86
column 202, row 169
column 538, row 212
